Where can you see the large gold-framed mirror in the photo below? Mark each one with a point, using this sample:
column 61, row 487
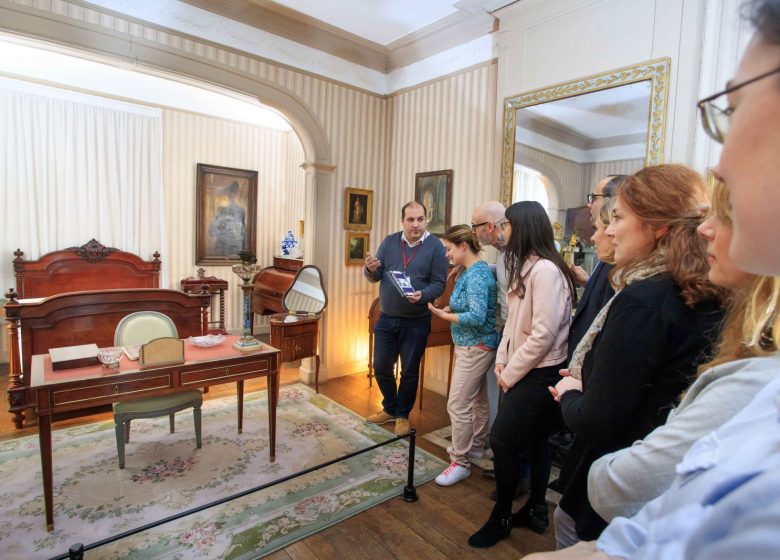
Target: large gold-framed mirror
column 565, row 137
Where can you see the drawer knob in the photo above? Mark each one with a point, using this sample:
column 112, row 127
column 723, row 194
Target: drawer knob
column 227, row 372
column 116, row 389
column 297, row 348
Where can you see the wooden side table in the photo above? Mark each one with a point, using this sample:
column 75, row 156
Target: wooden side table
column 216, row 287
column 297, row 337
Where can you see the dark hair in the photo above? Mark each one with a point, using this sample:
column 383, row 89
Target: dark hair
column 462, row 234
column 412, row 203
column 765, row 17
column 614, row 182
column 532, row 234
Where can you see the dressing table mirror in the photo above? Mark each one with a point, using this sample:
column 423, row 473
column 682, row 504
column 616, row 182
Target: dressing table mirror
column 559, row 141
column 296, row 333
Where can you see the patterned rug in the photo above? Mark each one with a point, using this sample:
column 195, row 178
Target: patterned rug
column 165, row 474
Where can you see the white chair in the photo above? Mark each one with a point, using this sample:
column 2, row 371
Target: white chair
column 140, row 328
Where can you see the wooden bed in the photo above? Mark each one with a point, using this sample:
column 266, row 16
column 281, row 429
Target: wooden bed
column 86, row 291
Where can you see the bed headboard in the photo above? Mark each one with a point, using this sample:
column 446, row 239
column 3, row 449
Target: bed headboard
column 87, row 317
column 92, row 266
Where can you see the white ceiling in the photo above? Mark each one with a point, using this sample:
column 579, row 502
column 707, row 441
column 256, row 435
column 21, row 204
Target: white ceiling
column 380, row 21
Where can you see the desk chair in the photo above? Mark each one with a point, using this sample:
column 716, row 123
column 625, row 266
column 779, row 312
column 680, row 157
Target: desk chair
column 140, row 328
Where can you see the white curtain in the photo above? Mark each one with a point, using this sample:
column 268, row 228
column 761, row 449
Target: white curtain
column 528, row 185
column 74, row 167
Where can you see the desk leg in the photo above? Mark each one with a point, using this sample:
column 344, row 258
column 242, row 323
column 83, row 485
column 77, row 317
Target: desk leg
column 44, row 439
column 240, row 398
column 317, row 373
column 422, row 378
column 273, row 400
column 370, row 359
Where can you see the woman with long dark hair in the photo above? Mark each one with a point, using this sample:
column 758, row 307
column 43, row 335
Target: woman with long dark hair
column 532, row 350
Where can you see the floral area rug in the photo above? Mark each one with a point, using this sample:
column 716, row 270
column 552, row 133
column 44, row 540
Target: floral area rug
column 165, row 474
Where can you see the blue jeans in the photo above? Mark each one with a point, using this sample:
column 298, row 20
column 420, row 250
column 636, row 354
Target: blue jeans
column 405, row 337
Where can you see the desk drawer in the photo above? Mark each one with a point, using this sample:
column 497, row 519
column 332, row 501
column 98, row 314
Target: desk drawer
column 103, row 392
column 223, row 374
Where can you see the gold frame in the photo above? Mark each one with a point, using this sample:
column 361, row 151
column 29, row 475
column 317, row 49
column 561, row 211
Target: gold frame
column 656, row 70
column 348, row 260
column 349, row 193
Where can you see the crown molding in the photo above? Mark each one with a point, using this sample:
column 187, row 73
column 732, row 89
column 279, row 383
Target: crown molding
column 295, row 26
column 468, row 23
column 456, row 29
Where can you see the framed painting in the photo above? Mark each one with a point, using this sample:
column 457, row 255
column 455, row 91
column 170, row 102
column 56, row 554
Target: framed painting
column 226, row 214
column 433, row 190
column 357, row 248
column 358, row 206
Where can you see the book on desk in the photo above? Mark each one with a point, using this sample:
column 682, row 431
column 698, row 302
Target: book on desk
column 68, row 357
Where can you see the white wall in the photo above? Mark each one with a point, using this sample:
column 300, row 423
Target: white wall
column 541, row 43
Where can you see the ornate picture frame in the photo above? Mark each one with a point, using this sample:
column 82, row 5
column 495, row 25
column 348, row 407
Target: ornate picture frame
column 433, row 189
column 356, row 247
column 655, row 71
column 225, row 214
column 358, row 209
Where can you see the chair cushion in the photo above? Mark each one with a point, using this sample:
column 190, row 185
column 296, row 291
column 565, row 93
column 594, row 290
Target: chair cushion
column 143, row 326
column 158, row 404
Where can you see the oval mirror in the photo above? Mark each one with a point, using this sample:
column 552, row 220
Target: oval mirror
column 307, row 294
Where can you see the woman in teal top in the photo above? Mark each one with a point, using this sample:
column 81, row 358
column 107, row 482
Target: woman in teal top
column 472, row 312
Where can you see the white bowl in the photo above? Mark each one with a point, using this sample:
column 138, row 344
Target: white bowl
column 110, row 356
column 206, row 341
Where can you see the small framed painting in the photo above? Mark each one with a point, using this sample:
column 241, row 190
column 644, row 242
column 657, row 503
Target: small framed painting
column 433, row 189
column 358, row 206
column 356, row 248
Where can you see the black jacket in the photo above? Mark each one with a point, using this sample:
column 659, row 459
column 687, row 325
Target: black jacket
column 598, row 292
column 643, row 358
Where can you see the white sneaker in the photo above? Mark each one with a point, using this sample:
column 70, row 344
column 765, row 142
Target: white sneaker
column 452, row 474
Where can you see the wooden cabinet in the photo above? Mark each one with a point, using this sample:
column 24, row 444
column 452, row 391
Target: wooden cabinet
column 297, row 337
column 271, row 283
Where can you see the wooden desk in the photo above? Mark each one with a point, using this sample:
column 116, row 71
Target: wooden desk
column 296, row 336
column 81, row 388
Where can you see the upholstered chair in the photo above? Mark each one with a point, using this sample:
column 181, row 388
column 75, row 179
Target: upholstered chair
column 140, row 328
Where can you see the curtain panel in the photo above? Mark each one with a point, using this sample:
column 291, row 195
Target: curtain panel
column 76, row 166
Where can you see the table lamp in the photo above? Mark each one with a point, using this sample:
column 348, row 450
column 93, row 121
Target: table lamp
column 246, row 271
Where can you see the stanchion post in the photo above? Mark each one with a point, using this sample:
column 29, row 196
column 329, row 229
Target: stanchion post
column 410, row 492
column 76, row 552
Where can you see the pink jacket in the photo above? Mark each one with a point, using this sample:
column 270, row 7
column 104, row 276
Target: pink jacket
column 537, row 329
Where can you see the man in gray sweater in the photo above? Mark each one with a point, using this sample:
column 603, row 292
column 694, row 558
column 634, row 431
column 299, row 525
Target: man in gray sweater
column 405, row 322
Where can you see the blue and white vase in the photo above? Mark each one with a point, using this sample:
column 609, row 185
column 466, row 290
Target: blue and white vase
column 288, row 243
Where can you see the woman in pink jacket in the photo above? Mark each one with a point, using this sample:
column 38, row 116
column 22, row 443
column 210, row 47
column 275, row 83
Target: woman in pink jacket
column 532, row 350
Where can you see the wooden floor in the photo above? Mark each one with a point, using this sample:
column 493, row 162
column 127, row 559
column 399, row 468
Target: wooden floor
column 436, row 526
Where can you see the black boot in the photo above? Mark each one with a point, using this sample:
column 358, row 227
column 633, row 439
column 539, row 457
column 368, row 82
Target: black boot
column 532, row 517
column 497, row 527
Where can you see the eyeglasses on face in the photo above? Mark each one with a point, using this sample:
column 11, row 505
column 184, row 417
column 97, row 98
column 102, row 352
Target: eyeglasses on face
column 503, row 224
column 714, row 119
column 475, row 226
column 594, row 196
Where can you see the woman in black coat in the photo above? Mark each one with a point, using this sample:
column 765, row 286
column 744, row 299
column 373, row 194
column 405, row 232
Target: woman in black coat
column 643, row 348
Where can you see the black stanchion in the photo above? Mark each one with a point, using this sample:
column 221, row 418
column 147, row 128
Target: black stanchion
column 76, row 552
column 410, row 492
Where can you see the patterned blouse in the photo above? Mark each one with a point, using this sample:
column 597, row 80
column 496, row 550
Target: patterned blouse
column 474, row 300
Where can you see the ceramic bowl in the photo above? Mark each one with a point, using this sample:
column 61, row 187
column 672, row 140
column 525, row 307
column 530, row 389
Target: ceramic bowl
column 206, row 341
column 109, row 357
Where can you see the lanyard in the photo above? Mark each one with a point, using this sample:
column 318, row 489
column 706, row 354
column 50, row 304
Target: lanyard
column 403, row 253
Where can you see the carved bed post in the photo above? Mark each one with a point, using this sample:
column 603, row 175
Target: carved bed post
column 15, row 387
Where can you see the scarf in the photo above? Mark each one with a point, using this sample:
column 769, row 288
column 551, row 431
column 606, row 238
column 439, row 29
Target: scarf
column 621, row 278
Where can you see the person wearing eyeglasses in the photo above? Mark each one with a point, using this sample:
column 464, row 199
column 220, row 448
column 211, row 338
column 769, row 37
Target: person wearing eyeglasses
column 487, row 220
column 725, row 500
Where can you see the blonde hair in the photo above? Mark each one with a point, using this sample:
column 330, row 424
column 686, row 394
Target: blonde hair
column 751, row 327
column 603, row 220
column 672, row 196
column 462, row 233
